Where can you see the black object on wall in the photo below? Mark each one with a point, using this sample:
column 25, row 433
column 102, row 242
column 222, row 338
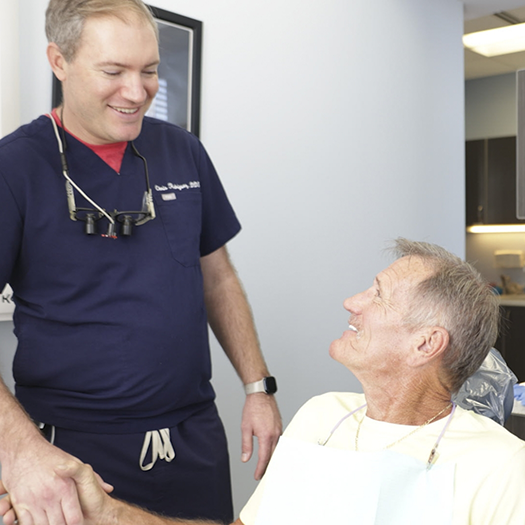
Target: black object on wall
column 491, row 181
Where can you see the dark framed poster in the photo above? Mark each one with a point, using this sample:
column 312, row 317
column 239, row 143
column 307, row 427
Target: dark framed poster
column 178, row 98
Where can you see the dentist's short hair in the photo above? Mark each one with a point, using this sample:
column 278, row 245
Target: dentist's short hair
column 65, row 19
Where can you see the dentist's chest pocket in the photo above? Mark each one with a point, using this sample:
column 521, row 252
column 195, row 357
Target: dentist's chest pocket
column 181, row 216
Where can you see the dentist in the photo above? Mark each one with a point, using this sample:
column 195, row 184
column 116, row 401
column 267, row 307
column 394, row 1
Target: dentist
column 113, row 239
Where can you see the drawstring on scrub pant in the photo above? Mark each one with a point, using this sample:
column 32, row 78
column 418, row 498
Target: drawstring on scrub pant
column 161, row 447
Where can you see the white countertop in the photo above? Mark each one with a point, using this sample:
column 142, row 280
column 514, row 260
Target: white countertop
column 512, row 300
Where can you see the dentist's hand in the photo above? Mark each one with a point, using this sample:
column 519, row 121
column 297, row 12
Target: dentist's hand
column 39, row 491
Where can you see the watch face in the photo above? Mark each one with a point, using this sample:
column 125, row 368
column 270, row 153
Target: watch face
column 270, row 385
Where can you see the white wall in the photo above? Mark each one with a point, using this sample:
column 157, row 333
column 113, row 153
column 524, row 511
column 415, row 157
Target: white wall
column 9, row 120
column 9, row 66
column 335, row 126
column 35, row 73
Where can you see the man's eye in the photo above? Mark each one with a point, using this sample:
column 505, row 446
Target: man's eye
column 112, row 73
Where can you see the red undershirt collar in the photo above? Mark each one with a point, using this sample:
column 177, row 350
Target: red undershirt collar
column 111, row 154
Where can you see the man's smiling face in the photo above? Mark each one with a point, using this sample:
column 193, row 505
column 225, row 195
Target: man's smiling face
column 110, row 83
column 378, row 337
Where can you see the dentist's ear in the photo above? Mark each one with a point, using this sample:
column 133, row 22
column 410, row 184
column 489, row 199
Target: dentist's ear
column 56, row 61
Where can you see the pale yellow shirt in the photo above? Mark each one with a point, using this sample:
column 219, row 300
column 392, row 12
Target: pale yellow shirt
column 490, row 461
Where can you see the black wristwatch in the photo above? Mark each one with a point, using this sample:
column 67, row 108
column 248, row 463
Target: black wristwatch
column 267, row 385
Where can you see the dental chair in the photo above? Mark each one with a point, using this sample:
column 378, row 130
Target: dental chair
column 489, row 391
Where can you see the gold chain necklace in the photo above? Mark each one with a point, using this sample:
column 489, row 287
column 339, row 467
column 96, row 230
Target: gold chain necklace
column 427, row 422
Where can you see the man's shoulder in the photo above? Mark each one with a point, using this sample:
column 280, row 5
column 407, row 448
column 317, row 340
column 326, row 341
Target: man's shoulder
column 152, row 127
column 320, row 413
column 32, row 131
column 491, row 435
column 335, row 401
column 166, row 140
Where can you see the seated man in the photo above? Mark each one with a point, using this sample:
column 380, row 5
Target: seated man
column 402, row 452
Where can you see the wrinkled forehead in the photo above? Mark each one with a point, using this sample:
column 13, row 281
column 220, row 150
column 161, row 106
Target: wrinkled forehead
column 403, row 275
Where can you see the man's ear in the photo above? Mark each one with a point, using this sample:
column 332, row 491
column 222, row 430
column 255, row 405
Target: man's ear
column 56, row 61
column 430, row 343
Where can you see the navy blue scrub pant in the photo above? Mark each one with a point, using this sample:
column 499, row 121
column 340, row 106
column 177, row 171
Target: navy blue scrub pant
column 195, row 484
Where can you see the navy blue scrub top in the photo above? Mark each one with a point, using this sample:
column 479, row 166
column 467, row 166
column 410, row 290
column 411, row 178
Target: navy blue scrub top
column 111, row 333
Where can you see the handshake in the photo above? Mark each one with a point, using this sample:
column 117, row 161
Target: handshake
column 98, row 508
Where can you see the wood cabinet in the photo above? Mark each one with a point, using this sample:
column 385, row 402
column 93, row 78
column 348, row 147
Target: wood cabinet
column 516, row 425
column 511, row 340
column 491, row 181
column 511, row 344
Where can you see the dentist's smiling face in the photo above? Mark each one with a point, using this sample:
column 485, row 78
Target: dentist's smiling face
column 377, row 338
column 110, row 83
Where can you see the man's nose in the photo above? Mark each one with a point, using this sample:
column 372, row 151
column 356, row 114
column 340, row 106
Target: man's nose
column 355, row 303
column 350, row 304
column 134, row 89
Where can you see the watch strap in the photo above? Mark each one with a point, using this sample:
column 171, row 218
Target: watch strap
column 266, row 385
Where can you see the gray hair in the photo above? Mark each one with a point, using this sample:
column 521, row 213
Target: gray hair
column 65, row 19
column 458, row 299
